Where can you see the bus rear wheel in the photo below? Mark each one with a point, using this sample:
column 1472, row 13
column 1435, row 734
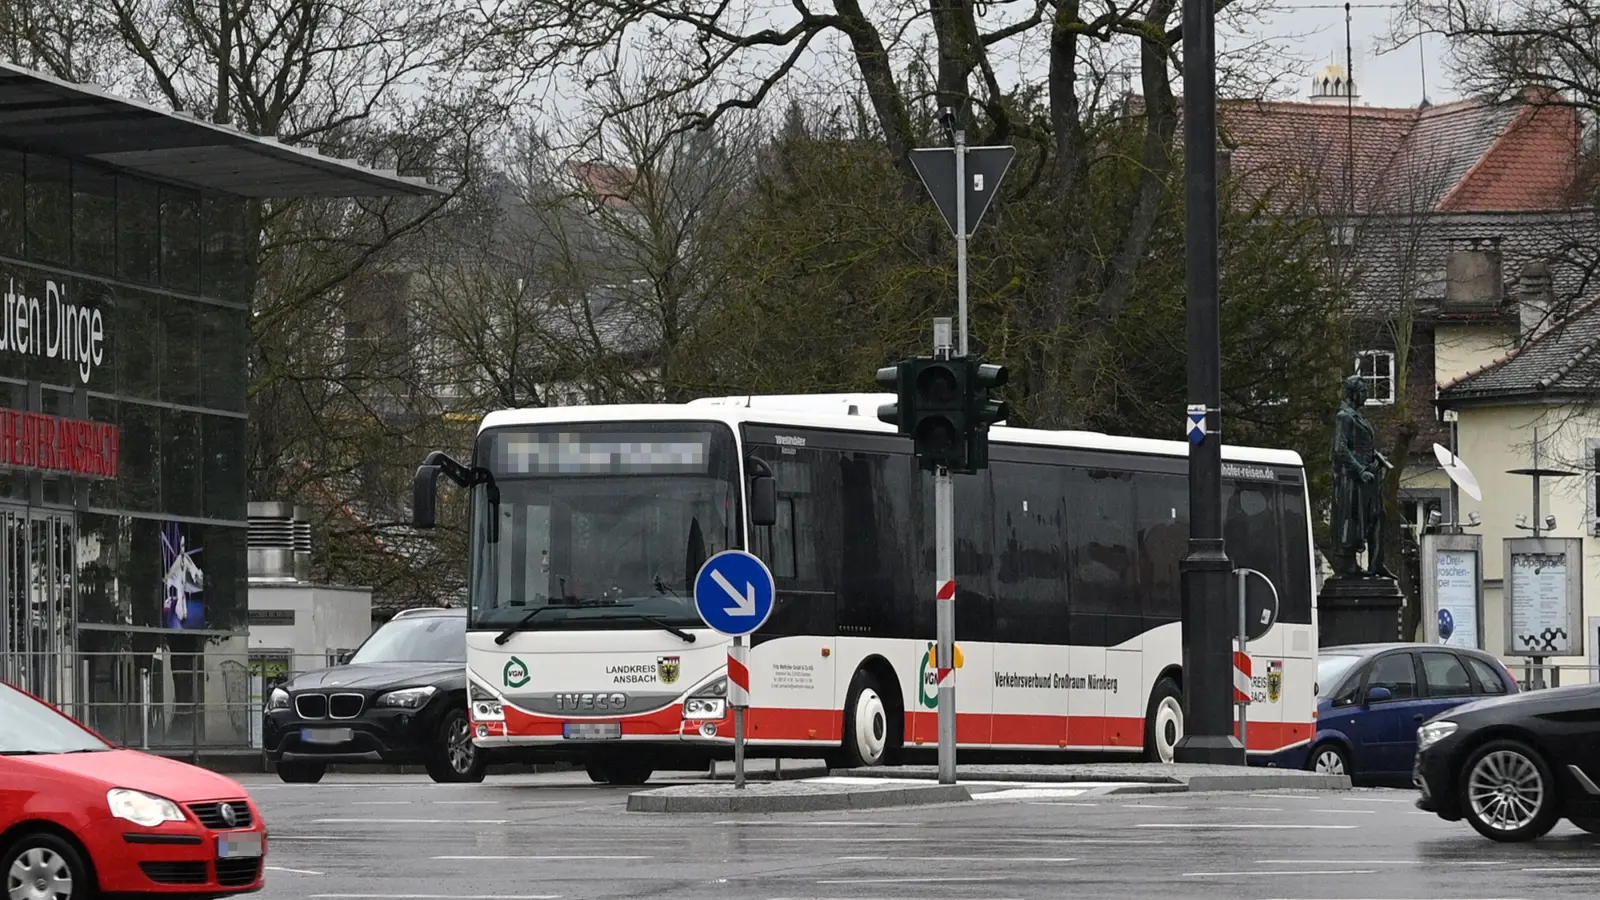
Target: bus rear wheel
column 1163, row 722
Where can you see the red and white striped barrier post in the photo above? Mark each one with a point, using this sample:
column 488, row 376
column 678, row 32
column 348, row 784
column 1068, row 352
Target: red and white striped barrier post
column 739, row 699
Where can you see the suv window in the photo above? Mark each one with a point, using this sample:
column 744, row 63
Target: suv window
column 1489, row 681
column 1446, row 676
column 1397, row 673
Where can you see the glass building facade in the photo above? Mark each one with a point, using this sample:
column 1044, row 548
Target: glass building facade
column 124, row 317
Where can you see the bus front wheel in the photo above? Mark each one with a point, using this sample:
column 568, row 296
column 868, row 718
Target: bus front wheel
column 870, row 732
column 1163, row 722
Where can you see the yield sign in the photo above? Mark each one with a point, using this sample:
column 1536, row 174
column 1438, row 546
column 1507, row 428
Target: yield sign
column 985, row 166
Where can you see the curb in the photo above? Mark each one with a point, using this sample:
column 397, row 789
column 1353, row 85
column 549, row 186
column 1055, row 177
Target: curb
column 788, row 773
column 1152, row 788
column 728, row 801
column 1031, row 777
column 1306, row 781
column 1256, row 779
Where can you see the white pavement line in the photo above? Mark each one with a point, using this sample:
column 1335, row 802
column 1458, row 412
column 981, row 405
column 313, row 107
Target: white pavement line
column 922, row 840
column 1155, row 806
column 482, row 802
column 830, row 824
column 1346, row 812
column 906, row 879
column 292, row 871
column 381, row 803
column 1240, row 825
column 1555, row 869
column 918, row 897
column 488, row 858
column 1372, row 862
column 1292, row 873
column 1057, row 803
column 435, row 897
column 411, row 821
column 1248, row 808
column 1021, row 859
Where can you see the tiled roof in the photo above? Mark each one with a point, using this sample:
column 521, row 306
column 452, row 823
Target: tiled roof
column 1472, row 155
column 1396, row 253
column 1562, row 361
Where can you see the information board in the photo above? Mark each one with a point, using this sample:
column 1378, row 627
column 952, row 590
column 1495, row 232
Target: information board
column 1452, row 590
column 1543, row 592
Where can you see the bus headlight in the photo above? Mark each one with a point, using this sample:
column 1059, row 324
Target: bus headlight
column 709, row 702
column 486, row 707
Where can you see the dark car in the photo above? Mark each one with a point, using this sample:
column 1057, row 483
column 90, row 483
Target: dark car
column 401, row 699
column 1514, row 766
column 1372, row 697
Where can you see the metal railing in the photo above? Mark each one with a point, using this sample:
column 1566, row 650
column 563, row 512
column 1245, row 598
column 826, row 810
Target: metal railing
column 1531, row 677
column 214, row 700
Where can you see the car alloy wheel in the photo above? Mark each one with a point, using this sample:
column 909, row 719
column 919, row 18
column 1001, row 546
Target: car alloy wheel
column 39, row 873
column 1505, row 792
column 462, row 752
column 1329, row 761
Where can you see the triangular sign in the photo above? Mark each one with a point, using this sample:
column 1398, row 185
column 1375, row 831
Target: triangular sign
column 985, row 167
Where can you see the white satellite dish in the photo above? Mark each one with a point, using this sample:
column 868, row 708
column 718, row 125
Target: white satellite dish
column 1458, row 472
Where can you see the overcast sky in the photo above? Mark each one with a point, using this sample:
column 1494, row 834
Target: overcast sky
column 1314, row 30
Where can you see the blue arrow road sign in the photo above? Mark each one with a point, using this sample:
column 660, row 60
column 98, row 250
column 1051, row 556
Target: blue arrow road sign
column 734, row 592
column 1197, row 424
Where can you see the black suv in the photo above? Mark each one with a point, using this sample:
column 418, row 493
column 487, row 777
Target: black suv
column 401, row 699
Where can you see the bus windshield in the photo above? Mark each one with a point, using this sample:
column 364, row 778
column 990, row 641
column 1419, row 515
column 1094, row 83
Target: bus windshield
column 600, row 523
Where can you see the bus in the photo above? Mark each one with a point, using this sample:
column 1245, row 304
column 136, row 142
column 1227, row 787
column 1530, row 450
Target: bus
column 589, row 524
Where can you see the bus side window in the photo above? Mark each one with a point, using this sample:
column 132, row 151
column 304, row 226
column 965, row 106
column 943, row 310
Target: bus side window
column 801, row 548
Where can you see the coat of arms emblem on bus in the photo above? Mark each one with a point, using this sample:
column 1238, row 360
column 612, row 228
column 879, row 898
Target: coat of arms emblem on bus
column 1274, row 680
column 515, row 673
column 927, row 686
column 667, row 668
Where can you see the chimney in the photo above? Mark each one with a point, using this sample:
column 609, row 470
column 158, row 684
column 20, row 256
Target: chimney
column 1472, row 277
column 1535, row 301
column 279, row 544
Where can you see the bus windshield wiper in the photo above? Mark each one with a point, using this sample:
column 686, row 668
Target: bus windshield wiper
column 522, row 623
column 689, row 638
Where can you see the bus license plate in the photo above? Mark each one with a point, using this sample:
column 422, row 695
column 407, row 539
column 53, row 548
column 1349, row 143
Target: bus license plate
column 234, row 846
column 591, row 731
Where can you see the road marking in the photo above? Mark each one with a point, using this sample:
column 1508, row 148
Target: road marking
column 940, row 879
column 411, row 821
column 1256, row 873
column 381, row 803
column 1249, row 808
column 1238, row 825
column 831, row 824
column 1553, row 869
column 1371, row 862
column 488, row 802
column 292, row 871
column 1021, row 859
column 487, row 858
column 1058, row 803
column 435, row 897
column 1346, row 812
column 919, row 840
column 1154, row 806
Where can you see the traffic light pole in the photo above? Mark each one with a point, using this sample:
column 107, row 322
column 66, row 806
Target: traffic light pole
column 1207, row 660
column 944, row 528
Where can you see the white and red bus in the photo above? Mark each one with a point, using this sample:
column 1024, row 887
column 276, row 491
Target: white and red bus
column 589, row 524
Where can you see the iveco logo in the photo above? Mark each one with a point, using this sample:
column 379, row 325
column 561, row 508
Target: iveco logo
column 229, row 817
column 591, row 701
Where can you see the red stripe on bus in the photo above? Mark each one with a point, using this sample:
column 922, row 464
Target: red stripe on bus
column 804, row 726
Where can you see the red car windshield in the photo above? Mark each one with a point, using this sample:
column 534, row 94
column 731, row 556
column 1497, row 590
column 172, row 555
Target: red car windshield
column 29, row 727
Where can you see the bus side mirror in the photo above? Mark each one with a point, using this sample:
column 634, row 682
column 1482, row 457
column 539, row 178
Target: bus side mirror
column 763, row 501
column 424, row 492
column 763, row 494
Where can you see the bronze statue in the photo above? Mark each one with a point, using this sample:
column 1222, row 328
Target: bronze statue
column 1358, row 473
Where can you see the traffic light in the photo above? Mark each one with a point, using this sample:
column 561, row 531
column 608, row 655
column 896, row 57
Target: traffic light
column 895, row 379
column 983, row 411
column 938, row 413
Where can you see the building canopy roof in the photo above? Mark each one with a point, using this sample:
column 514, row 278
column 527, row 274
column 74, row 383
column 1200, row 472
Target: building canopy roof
column 1559, row 362
column 43, row 114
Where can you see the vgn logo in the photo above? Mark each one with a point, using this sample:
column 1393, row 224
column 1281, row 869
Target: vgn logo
column 516, row 673
column 927, row 681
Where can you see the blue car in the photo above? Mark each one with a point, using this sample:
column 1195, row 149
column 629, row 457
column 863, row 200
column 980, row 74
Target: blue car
column 1371, row 698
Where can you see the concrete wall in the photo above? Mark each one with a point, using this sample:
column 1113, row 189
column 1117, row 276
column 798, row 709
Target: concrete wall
column 326, row 620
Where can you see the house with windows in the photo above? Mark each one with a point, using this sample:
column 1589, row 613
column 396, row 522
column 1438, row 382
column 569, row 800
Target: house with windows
column 1434, row 213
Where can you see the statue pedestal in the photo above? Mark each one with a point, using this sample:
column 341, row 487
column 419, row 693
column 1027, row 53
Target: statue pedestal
column 1354, row 610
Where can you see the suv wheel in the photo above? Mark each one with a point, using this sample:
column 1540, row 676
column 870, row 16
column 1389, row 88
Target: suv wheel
column 1506, row 792
column 457, row 759
column 301, row 772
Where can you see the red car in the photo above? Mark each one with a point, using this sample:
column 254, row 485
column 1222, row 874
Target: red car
column 79, row 817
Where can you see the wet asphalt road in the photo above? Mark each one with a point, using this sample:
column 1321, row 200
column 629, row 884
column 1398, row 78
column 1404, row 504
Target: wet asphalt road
column 559, row 836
